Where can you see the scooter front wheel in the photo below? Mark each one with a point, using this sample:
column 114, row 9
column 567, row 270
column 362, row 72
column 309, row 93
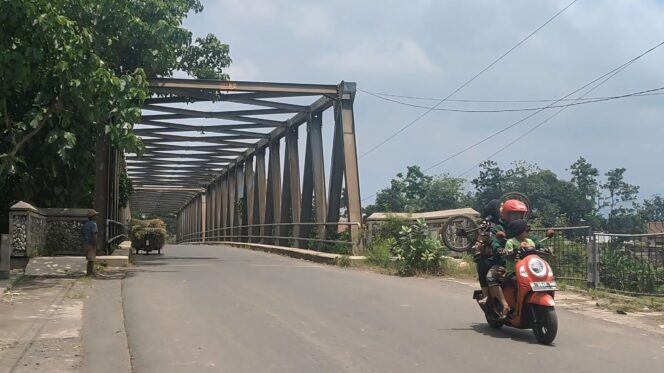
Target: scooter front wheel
column 546, row 324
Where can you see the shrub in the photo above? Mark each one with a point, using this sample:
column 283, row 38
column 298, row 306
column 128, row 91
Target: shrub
column 380, row 252
column 620, row 270
column 343, row 261
column 416, row 250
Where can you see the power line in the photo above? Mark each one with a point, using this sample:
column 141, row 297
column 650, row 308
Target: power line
column 490, row 101
column 539, row 111
column 583, row 102
column 607, row 75
column 467, row 82
column 612, row 74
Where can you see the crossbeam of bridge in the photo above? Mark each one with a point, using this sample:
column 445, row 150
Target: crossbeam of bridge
column 213, row 158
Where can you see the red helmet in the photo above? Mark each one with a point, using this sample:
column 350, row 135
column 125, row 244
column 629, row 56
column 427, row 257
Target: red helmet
column 513, row 209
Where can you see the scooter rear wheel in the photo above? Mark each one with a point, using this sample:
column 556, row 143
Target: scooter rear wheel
column 494, row 323
column 546, row 324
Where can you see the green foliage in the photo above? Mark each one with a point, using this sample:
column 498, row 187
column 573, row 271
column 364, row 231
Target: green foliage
column 380, row 252
column 72, row 69
column 126, row 188
column 342, row 261
column 653, row 209
column 621, row 270
column 416, row 250
column 390, row 228
column 416, row 192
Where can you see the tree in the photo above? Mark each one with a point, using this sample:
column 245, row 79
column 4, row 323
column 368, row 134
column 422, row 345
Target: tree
column 652, row 209
column 584, row 176
column 417, row 192
column 69, row 72
column 489, row 184
column 621, row 200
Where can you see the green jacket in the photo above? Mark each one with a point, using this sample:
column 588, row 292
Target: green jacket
column 499, row 243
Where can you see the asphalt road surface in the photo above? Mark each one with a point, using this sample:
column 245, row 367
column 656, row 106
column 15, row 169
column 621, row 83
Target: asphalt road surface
column 220, row 309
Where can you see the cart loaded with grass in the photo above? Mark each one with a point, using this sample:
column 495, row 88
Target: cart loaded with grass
column 148, row 235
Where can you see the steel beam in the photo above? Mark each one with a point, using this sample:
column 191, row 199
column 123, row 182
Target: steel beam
column 220, row 85
column 249, row 182
column 260, row 195
column 290, row 208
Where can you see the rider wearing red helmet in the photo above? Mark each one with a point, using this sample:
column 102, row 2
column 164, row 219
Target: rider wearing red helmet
column 510, row 210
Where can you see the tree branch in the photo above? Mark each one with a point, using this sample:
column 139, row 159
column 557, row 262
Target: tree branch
column 7, row 158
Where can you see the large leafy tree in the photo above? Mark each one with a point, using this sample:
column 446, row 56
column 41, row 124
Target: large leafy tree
column 652, row 209
column 74, row 68
column 417, row 192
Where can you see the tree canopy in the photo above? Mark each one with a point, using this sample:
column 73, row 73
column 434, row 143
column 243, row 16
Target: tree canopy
column 611, row 204
column 72, row 68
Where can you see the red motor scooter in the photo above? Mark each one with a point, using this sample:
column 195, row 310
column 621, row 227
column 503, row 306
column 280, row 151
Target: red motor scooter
column 529, row 291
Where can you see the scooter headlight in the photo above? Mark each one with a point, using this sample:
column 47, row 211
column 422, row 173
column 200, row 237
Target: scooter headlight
column 537, row 267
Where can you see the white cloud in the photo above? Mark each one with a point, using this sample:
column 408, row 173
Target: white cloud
column 250, row 10
column 244, row 69
column 395, row 56
column 311, row 22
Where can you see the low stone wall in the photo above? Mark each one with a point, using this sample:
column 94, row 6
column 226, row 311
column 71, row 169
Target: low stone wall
column 36, row 232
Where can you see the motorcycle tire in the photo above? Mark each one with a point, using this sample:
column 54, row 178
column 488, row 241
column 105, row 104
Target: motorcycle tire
column 450, row 229
column 494, row 322
column 520, row 197
column 545, row 324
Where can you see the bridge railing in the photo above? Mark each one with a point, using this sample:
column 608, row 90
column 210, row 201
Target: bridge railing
column 314, row 236
column 116, row 232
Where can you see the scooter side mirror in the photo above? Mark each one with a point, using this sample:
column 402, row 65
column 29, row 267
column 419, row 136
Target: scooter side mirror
column 550, row 233
column 500, row 235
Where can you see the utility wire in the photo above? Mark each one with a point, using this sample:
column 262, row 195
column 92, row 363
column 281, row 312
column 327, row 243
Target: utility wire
column 582, row 102
column 540, row 110
column 612, row 74
column 609, row 74
column 490, row 101
column 467, row 82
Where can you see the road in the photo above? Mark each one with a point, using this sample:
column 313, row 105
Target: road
column 220, row 309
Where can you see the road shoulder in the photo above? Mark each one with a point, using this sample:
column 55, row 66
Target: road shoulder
column 105, row 347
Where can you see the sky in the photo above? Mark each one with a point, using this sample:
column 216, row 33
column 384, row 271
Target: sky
column 428, row 48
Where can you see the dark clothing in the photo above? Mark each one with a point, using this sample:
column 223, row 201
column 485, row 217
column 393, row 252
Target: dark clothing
column 496, row 275
column 498, row 243
column 88, row 231
column 483, row 263
column 516, row 227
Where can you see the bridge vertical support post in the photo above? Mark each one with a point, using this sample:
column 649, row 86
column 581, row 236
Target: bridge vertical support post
column 239, row 199
column 290, row 200
column 218, row 210
column 318, row 168
column 232, row 188
column 273, row 205
column 204, row 216
column 306, row 213
column 260, row 197
column 248, row 197
column 224, row 204
column 345, row 161
column 211, row 201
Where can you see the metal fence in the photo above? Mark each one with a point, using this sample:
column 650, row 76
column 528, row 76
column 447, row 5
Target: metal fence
column 571, row 248
column 630, row 263
column 624, row 263
column 326, row 237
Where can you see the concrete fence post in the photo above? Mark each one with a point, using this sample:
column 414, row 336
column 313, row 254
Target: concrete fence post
column 5, row 256
column 592, row 252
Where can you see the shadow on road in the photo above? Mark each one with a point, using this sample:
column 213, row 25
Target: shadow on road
column 518, row 335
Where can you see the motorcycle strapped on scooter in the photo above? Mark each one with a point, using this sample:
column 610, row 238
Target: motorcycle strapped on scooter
column 530, row 292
